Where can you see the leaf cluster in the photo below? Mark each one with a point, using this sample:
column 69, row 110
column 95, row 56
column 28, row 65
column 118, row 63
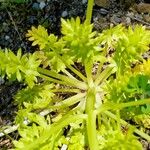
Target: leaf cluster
column 19, row 67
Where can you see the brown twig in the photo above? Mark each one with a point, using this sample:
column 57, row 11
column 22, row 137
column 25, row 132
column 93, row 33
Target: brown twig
column 16, row 28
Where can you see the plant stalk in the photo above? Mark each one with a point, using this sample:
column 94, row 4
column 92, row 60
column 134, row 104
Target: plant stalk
column 69, row 101
column 69, row 74
column 52, row 79
column 63, row 78
column 104, row 75
column 91, row 120
column 88, row 69
column 89, row 11
column 115, row 106
column 65, row 90
column 79, row 74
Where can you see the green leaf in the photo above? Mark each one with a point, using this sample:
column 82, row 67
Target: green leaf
column 131, row 46
column 111, row 36
column 19, row 67
column 39, row 36
column 39, row 95
column 80, row 39
column 38, row 139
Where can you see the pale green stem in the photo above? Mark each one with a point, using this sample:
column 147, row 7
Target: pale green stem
column 88, row 69
column 69, row 101
column 79, row 74
column 142, row 134
column 100, row 66
column 115, row 106
column 89, row 11
column 118, row 119
column 56, row 75
column 61, row 90
column 8, row 137
column 104, row 75
column 134, row 103
column 90, row 106
column 53, row 80
column 69, row 74
column 91, row 120
column 68, row 80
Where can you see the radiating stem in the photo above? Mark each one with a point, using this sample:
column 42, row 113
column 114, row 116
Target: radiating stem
column 69, row 101
column 90, row 106
column 63, row 78
column 64, row 91
column 53, row 80
column 101, row 64
column 69, row 74
column 115, row 106
column 88, row 69
column 104, row 75
column 133, row 103
column 79, row 74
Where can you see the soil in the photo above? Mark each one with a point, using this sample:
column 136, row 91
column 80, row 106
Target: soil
column 16, row 19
